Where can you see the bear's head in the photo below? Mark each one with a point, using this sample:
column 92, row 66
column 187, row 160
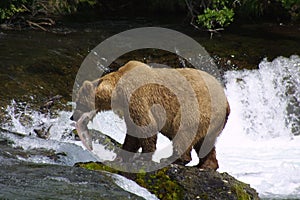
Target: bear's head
column 85, row 100
column 94, row 95
column 97, row 95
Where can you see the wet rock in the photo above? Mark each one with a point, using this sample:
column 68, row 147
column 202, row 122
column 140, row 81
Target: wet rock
column 33, row 181
column 43, row 131
column 50, row 102
column 203, row 184
column 25, row 180
column 188, row 183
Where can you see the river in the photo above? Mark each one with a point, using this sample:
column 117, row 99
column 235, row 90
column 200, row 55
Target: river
column 260, row 144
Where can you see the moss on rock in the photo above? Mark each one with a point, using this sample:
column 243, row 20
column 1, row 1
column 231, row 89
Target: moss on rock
column 160, row 184
column 239, row 190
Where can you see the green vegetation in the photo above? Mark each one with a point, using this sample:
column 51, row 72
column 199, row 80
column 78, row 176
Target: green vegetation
column 217, row 15
column 293, row 7
column 238, row 188
column 160, row 184
column 10, row 8
column 212, row 15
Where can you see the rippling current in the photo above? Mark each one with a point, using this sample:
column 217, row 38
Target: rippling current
column 260, row 144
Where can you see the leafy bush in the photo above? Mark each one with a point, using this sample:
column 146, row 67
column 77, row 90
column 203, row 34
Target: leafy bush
column 216, row 15
column 293, row 7
column 212, row 19
column 10, row 8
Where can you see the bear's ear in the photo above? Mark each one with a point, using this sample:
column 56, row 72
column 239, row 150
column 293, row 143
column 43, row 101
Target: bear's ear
column 88, row 88
column 96, row 82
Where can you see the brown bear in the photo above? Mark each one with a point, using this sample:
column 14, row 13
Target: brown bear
column 186, row 105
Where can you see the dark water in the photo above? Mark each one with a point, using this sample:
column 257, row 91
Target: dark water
column 35, row 66
column 41, row 64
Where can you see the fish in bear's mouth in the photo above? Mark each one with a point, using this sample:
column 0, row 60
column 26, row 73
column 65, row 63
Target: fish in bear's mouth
column 82, row 129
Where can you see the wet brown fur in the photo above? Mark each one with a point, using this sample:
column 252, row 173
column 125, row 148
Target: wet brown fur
column 104, row 92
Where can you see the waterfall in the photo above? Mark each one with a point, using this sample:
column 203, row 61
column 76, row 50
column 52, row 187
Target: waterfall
column 259, row 144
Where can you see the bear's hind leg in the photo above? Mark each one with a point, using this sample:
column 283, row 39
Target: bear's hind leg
column 209, row 161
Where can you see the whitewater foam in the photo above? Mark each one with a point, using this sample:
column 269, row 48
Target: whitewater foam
column 258, row 144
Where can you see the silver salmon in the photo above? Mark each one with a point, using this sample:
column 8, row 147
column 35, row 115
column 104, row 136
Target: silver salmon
column 83, row 131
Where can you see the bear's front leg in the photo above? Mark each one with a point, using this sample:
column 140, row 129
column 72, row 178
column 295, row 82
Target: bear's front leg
column 185, row 158
column 131, row 145
column 148, row 147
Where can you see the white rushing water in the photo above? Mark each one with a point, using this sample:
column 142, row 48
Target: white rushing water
column 258, row 145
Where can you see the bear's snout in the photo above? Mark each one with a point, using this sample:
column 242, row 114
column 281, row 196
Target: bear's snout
column 76, row 116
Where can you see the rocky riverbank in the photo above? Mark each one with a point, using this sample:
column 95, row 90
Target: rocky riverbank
column 188, row 183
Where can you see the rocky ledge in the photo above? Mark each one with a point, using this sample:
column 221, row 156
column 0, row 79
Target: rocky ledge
column 178, row 182
column 188, row 183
